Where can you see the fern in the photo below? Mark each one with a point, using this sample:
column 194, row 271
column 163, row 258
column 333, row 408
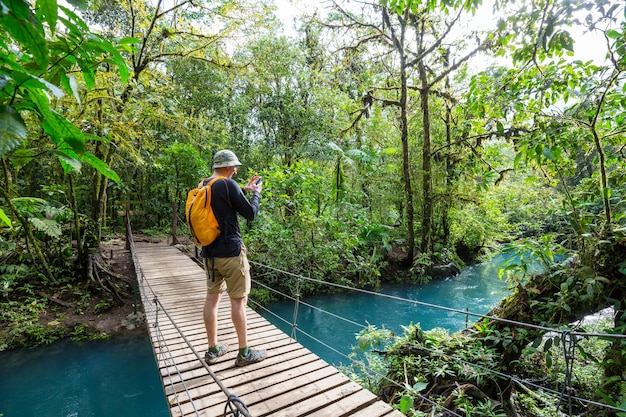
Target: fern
column 48, row 226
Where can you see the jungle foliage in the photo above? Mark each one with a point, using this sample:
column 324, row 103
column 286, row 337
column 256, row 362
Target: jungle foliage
column 390, row 136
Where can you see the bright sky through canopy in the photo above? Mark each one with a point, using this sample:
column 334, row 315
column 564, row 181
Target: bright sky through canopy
column 587, row 46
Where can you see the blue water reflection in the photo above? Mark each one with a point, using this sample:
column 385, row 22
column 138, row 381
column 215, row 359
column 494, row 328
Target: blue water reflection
column 117, row 377
column 477, row 289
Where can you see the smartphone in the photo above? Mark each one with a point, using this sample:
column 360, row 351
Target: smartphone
column 258, row 181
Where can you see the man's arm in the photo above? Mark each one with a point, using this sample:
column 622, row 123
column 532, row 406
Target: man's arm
column 247, row 208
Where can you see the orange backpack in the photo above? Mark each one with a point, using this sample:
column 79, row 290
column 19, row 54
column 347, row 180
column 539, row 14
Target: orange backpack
column 201, row 220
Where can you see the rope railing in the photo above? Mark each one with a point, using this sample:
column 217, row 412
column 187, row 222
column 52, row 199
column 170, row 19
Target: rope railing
column 234, row 405
column 294, row 331
column 568, row 335
column 439, row 307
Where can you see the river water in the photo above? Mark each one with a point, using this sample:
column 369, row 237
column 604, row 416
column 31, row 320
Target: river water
column 119, row 377
column 476, row 289
column 116, row 377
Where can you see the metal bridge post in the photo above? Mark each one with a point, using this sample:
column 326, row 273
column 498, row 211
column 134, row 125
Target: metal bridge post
column 294, row 322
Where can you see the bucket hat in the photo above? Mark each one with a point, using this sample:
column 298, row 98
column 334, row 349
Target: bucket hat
column 225, row 158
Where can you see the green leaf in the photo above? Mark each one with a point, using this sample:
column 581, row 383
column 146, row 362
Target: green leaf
column 48, row 226
column 12, row 129
column 47, row 10
column 63, row 132
column 100, row 166
column 19, row 9
column 406, row 403
column 31, row 82
column 547, row 345
column 334, row 147
column 548, row 153
column 68, row 161
column 79, row 4
column 613, row 34
column 89, row 136
column 76, row 24
column 40, row 103
column 22, row 26
column 21, row 157
column 89, row 74
column 419, row 386
column 76, row 143
column 5, row 219
column 74, row 87
column 129, row 41
column 116, row 57
column 500, row 128
column 58, row 92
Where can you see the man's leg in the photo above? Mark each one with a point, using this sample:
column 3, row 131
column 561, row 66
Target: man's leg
column 210, row 317
column 240, row 319
column 246, row 355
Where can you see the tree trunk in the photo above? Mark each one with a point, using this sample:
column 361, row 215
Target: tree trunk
column 603, row 180
column 406, row 171
column 174, row 223
column 76, row 231
column 445, row 221
column 30, row 237
column 404, row 136
column 427, row 203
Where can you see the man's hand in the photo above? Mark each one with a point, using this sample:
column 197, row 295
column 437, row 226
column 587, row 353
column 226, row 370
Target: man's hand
column 252, row 184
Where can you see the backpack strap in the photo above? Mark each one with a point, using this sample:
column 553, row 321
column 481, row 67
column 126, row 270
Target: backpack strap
column 227, row 192
column 209, row 181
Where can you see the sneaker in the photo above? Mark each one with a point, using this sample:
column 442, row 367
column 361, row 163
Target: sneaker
column 253, row 356
column 211, row 357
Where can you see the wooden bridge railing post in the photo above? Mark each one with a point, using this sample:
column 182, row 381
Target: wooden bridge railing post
column 174, row 222
column 127, row 225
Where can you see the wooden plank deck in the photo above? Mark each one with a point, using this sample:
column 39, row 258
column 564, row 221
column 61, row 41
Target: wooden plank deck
column 291, row 382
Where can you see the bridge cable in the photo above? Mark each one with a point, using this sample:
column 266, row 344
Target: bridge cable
column 566, row 335
column 295, row 329
column 297, row 300
column 568, row 343
column 465, row 312
column 525, row 382
column 356, row 362
column 168, row 359
column 435, row 306
column 568, row 332
column 231, row 398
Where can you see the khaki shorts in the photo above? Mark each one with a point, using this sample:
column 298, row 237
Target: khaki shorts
column 231, row 275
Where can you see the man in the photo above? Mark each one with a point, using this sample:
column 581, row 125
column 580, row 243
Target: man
column 225, row 260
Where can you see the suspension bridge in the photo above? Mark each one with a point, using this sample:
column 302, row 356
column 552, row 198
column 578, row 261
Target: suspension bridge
column 292, row 381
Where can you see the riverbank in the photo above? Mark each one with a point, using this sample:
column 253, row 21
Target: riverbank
column 87, row 312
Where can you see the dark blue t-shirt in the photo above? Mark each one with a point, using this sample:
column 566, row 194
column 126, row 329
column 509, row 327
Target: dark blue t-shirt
column 227, row 201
